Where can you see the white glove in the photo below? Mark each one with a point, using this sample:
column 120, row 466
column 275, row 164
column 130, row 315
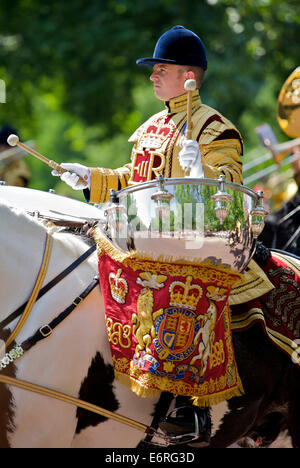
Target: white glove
column 190, row 158
column 72, row 176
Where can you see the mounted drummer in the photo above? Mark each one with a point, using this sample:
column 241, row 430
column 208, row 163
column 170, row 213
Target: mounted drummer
column 162, row 146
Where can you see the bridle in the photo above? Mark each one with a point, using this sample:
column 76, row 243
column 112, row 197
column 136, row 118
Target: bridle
column 37, row 292
column 39, row 281
column 50, row 285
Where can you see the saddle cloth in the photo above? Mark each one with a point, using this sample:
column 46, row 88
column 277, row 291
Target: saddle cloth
column 271, row 297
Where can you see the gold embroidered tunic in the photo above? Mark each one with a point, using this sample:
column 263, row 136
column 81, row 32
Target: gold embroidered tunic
column 157, row 146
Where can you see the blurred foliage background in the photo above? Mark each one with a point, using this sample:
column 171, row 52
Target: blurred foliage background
column 72, row 84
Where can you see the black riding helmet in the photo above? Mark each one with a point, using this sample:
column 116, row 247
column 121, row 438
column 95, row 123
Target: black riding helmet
column 178, row 46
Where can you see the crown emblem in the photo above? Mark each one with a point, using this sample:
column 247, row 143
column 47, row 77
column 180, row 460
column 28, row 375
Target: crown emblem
column 155, row 136
column 118, row 287
column 185, row 294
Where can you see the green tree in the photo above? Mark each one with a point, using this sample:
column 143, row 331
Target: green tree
column 73, row 85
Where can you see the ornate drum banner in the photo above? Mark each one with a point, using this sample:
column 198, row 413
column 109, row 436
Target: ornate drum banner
column 168, row 325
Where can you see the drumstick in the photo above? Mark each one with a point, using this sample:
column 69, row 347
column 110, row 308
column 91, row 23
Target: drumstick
column 189, row 86
column 13, row 140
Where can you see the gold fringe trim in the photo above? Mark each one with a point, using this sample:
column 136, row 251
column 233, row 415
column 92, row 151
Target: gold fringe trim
column 215, row 399
column 197, row 267
column 136, row 386
column 206, row 400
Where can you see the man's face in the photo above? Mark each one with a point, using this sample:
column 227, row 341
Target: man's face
column 168, row 80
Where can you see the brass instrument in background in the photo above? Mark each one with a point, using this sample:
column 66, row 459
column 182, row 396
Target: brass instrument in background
column 288, row 106
column 280, row 186
column 288, row 117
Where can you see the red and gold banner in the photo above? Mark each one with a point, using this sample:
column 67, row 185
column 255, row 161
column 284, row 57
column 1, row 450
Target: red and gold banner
column 168, row 326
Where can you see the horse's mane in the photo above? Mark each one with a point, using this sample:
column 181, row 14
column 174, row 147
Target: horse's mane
column 11, row 214
column 15, row 218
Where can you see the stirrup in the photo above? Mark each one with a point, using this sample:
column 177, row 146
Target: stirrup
column 186, row 438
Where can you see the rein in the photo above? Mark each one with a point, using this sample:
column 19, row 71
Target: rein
column 74, row 401
column 296, row 234
column 293, row 238
column 46, row 330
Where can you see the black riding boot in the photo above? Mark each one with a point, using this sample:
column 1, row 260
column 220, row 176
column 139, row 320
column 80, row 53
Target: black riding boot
column 187, row 423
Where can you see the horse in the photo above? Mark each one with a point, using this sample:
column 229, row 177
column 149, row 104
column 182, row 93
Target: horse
column 65, row 360
column 281, row 230
column 75, row 359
